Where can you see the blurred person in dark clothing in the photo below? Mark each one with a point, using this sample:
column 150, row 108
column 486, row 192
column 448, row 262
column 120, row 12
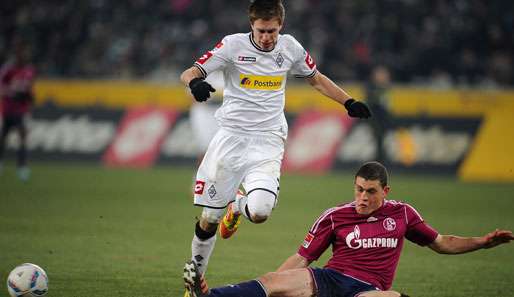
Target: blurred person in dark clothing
column 377, row 96
column 16, row 80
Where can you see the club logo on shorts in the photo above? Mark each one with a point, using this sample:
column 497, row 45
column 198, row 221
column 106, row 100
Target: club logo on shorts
column 211, row 191
column 199, row 186
column 307, row 241
column 389, row 224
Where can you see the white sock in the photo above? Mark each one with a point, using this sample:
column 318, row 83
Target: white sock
column 201, row 251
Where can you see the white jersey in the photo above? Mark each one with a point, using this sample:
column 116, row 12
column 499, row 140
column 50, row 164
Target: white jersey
column 255, row 80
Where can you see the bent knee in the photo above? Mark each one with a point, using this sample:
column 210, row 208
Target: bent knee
column 260, row 204
column 210, row 218
column 288, row 283
column 208, row 227
column 258, row 219
column 268, row 279
column 260, row 214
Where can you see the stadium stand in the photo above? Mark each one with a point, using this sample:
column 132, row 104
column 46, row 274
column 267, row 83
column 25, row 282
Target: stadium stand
column 438, row 43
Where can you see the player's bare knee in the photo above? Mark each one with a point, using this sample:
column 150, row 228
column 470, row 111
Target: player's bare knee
column 267, row 281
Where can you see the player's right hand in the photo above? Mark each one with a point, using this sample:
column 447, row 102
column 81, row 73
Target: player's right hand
column 200, row 89
column 357, row 109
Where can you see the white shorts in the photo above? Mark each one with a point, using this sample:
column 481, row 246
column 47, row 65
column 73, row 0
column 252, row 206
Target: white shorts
column 203, row 123
column 235, row 158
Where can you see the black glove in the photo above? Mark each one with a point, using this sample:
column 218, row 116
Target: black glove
column 357, row 109
column 200, row 89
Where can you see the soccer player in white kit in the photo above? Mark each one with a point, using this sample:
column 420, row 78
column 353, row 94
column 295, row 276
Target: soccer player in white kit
column 249, row 146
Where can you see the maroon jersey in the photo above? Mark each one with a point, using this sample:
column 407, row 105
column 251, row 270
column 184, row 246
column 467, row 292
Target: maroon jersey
column 366, row 247
column 16, row 84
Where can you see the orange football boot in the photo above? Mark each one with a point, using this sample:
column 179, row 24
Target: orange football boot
column 230, row 222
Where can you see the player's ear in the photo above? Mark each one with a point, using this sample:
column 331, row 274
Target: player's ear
column 386, row 190
column 280, row 25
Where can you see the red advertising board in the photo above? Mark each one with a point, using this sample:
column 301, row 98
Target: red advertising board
column 139, row 137
column 314, row 141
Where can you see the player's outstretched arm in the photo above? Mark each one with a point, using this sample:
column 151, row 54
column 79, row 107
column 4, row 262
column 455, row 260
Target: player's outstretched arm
column 293, row 262
column 450, row 244
column 328, row 88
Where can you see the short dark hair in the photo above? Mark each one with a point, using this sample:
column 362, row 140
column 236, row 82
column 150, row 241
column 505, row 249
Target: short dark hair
column 373, row 171
column 266, row 10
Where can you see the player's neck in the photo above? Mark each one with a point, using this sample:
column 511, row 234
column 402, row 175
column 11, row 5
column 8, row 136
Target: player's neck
column 255, row 44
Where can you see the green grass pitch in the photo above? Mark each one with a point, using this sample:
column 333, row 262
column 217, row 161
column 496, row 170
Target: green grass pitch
column 105, row 232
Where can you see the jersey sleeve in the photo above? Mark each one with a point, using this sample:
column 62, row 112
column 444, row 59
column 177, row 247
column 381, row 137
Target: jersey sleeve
column 318, row 238
column 418, row 231
column 215, row 59
column 304, row 65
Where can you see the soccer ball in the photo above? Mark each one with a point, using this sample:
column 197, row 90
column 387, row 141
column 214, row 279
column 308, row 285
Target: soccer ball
column 27, row 280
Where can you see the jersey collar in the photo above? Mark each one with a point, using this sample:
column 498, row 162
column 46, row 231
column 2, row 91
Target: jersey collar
column 257, row 46
column 370, row 214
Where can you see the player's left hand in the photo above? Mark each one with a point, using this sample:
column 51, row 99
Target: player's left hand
column 357, row 109
column 497, row 237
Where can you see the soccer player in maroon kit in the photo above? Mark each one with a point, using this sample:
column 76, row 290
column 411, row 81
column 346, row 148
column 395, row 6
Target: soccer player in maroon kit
column 16, row 80
column 367, row 237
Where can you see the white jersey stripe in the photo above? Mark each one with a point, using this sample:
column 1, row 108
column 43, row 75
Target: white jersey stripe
column 327, row 213
column 415, row 211
column 307, row 76
column 197, row 65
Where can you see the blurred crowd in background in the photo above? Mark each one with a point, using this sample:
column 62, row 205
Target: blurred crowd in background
column 441, row 43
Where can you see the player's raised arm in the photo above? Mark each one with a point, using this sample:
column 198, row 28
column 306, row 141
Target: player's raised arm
column 451, row 244
column 328, row 88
